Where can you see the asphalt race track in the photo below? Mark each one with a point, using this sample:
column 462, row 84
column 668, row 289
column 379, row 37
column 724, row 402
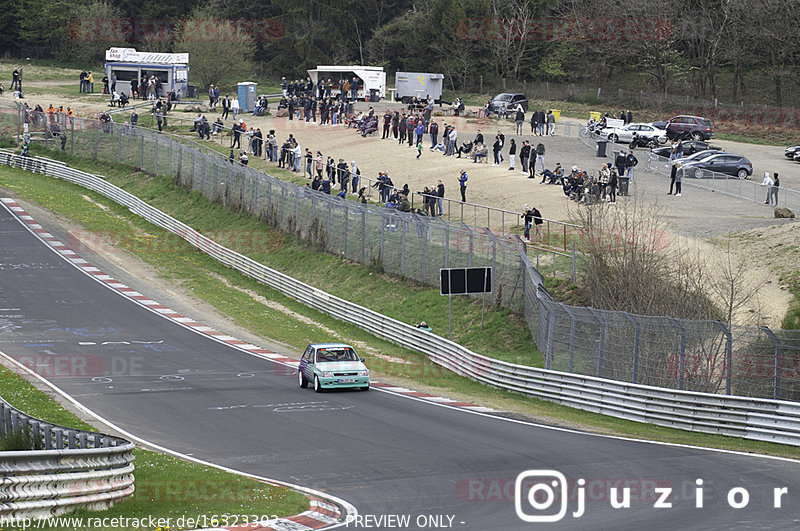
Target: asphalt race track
column 386, row 454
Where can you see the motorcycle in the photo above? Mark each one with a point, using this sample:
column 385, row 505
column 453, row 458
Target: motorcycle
column 643, row 141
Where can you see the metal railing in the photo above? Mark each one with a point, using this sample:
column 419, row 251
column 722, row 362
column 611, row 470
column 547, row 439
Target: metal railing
column 576, row 339
column 750, row 418
column 72, row 469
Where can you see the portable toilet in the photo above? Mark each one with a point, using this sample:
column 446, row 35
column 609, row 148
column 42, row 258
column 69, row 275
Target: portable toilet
column 246, row 92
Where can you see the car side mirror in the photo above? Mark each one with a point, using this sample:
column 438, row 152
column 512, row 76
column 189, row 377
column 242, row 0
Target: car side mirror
column 362, row 360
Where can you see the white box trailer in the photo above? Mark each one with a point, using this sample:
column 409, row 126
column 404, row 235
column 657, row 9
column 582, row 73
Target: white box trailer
column 372, row 79
column 420, row 84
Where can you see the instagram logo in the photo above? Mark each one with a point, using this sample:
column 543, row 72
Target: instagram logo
column 535, row 493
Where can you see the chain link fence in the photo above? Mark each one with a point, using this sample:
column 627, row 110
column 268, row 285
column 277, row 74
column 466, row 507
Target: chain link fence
column 749, row 189
column 705, row 356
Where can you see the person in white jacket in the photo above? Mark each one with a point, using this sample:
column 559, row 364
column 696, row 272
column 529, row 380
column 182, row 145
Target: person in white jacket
column 769, row 183
column 235, row 107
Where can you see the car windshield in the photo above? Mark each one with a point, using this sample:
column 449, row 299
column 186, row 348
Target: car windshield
column 336, row 354
column 503, row 97
column 702, row 155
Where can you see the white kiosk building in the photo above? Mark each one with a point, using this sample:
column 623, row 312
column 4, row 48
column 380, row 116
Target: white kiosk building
column 371, row 78
column 172, row 69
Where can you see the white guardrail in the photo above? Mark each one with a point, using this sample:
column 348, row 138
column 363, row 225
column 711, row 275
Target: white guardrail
column 73, row 469
column 749, row 418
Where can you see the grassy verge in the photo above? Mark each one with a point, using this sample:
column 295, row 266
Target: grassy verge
column 248, row 305
column 166, row 487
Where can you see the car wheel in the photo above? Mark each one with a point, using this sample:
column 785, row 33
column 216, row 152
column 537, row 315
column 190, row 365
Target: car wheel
column 302, row 379
column 317, row 386
column 613, row 138
column 697, row 135
column 366, row 388
column 698, row 173
column 742, row 174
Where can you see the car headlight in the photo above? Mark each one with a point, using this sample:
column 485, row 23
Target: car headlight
column 327, row 374
column 363, row 373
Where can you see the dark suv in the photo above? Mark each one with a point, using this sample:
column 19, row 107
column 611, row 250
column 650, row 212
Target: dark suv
column 510, row 100
column 694, row 127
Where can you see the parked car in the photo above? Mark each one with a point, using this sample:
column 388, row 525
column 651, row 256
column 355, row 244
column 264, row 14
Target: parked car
column 625, row 134
column 688, row 127
column 332, row 366
column 510, row 100
column 689, row 148
column 791, row 151
column 725, row 163
column 700, row 155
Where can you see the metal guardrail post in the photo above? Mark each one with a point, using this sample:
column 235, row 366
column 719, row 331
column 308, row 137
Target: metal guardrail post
column 346, row 227
column 778, row 363
column 682, row 354
column 471, row 247
column 155, row 164
column 601, row 347
column 447, row 245
column 403, row 229
column 572, row 327
column 573, row 263
column 363, row 236
column 551, row 332
column 637, row 331
column 141, row 158
column 728, row 355
column 327, row 229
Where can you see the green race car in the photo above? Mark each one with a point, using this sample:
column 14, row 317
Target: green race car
column 332, row 366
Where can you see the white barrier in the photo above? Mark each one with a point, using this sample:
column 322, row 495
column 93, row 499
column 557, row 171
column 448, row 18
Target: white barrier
column 750, row 418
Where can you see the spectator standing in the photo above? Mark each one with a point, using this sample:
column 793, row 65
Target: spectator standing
column 226, row 107
column 537, row 223
column 15, row 79
column 496, row 147
column 527, row 215
column 512, row 154
column 551, row 123
column 768, row 182
column 433, row 130
column 535, row 123
column 524, row 156
column 630, row 117
column 440, row 196
column 355, row 176
column 673, row 173
column 89, row 81
column 613, row 181
column 630, row 162
column 619, row 162
column 235, row 106
column 539, row 159
column 519, row 119
column 462, row 182
column 776, row 184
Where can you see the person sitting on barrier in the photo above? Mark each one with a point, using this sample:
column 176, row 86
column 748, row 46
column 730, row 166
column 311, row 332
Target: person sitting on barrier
column 424, row 327
column 553, row 177
column 114, row 99
column 361, row 197
column 465, row 148
column 196, row 123
column 218, row 126
column 481, row 151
